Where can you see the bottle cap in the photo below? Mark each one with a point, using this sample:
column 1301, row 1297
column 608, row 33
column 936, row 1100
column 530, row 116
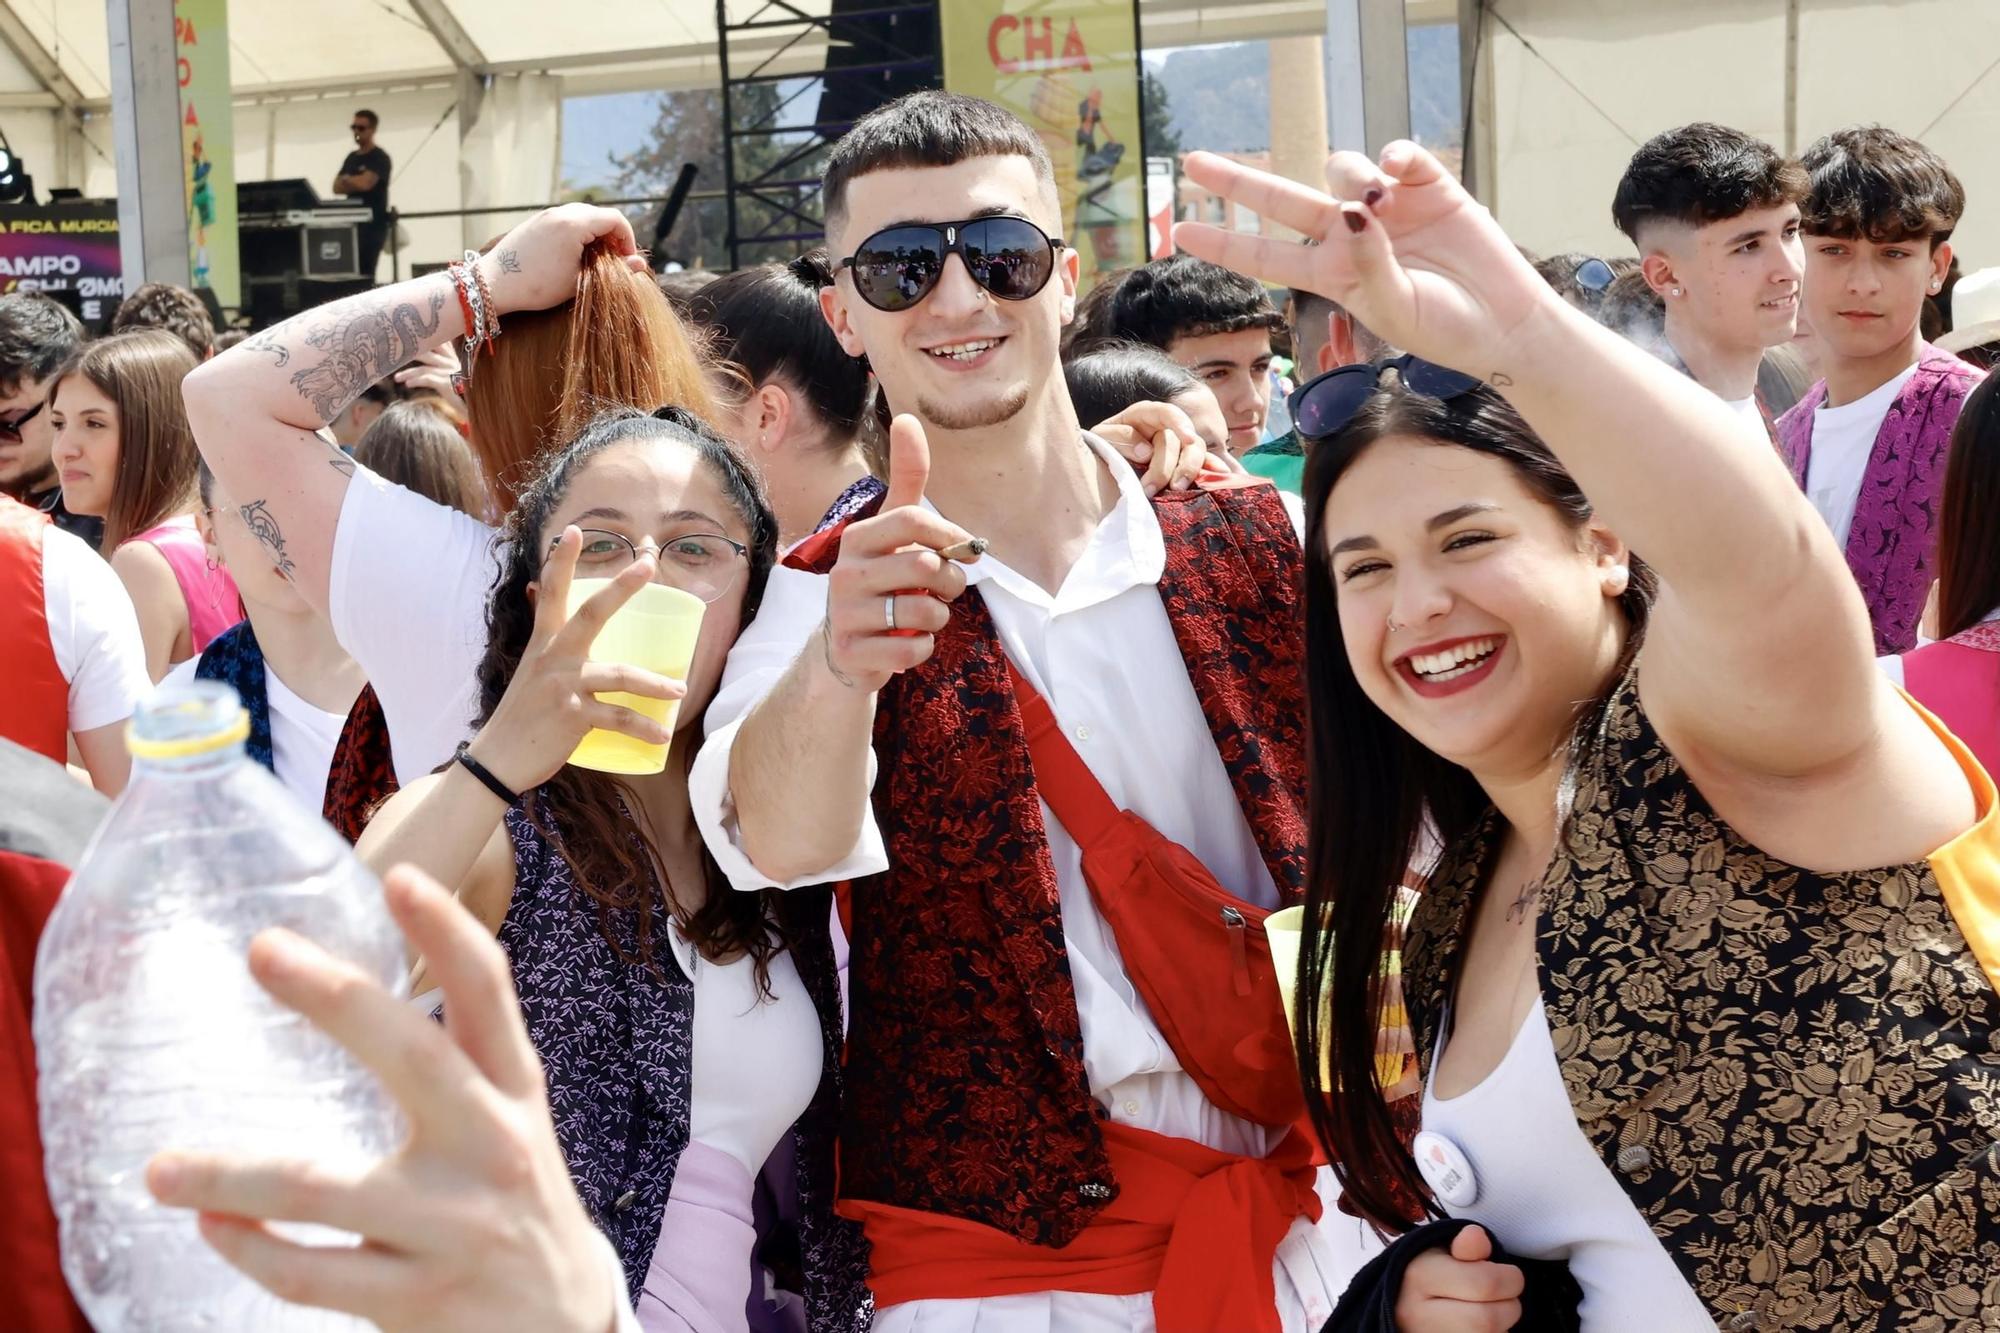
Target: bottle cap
column 181, row 721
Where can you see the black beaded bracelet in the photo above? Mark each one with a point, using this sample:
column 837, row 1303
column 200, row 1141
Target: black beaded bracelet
column 463, row 756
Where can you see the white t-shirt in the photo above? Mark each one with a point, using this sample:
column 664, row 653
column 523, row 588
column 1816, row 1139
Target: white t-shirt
column 303, row 737
column 1539, row 1186
column 407, row 599
column 1842, row 439
column 94, row 632
column 1747, row 409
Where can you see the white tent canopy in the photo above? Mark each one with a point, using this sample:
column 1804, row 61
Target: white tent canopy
column 469, row 91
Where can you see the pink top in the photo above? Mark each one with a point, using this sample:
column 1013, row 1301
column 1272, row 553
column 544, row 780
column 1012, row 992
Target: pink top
column 1959, row 680
column 213, row 604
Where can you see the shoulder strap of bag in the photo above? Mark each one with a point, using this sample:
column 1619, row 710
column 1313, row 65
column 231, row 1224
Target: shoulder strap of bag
column 1073, row 792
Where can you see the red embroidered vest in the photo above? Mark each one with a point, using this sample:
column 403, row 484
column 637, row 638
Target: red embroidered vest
column 966, row 1091
column 34, row 697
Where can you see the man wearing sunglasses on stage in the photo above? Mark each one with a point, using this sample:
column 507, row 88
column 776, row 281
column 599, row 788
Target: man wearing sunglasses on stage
column 938, row 702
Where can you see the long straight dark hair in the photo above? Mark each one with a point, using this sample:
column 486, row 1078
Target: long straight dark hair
column 1371, row 786
column 1968, row 556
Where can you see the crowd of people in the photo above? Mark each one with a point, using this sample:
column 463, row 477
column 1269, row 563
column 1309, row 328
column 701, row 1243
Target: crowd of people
column 1603, row 651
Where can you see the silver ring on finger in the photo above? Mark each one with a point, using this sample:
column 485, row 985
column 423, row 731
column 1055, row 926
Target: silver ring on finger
column 889, row 612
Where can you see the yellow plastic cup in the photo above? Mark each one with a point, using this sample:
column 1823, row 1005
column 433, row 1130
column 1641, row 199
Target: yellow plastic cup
column 1284, row 929
column 655, row 631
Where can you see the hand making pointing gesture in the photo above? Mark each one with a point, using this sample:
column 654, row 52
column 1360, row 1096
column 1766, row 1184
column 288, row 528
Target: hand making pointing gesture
column 889, row 594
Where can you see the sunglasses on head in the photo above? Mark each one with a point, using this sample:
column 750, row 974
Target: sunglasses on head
column 1325, row 403
column 1594, row 275
column 1009, row 257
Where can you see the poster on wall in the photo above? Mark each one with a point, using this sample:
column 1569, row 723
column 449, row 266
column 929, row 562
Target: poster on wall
column 1070, row 69
column 208, row 148
column 69, row 251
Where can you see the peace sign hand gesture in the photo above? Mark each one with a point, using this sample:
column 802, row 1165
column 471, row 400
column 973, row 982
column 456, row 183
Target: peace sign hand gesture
column 1401, row 245
column 551, row 704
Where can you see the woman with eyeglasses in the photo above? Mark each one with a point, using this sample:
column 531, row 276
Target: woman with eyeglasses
column 1703, row 985
column 296, row 682
column 685, row 1029
column 125, row 453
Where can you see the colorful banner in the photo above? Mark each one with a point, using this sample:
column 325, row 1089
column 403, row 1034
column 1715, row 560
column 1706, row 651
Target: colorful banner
column 208, row 144
column 1070, row 68
column 67, row 250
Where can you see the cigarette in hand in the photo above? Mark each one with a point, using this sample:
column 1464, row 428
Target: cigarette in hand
column 968, row 550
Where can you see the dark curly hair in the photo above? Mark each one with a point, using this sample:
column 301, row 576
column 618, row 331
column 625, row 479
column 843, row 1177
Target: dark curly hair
column 588, row 817
column 1875, row 184
column 161, row 305
column 1184, row 297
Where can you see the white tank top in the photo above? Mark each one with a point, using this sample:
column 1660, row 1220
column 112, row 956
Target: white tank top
column 756, row 1061
column 1546, row 1194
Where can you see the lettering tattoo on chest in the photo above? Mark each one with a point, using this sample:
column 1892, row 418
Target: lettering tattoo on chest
column 361, row 347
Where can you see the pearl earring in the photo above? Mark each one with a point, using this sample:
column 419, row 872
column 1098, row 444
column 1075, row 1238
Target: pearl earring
column 1674, row 291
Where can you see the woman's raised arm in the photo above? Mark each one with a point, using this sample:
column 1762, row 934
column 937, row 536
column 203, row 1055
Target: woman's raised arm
column 1758, row 655
column 255, row 409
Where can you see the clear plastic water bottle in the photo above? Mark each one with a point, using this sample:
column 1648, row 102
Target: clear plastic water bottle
column 150, row 1032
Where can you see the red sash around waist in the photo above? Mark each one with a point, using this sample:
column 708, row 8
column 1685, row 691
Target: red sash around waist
column 1195, row 1226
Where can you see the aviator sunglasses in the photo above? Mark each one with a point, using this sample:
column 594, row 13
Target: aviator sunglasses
column 1009, row 257
column 1325, row 403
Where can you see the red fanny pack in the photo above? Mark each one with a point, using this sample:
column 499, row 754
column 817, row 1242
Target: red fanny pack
column 1196, row 952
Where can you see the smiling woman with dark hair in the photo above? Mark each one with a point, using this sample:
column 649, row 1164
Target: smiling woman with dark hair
column 1702, row 985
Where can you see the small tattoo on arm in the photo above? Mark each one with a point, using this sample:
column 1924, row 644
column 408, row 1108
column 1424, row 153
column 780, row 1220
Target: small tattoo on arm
column 509, row 262
column 342, row 464
column 1502, row 380
column 265, row 342
column 257, row 517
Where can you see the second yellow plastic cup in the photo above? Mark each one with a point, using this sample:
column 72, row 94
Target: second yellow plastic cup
column 655, row 631
column 1283, row 929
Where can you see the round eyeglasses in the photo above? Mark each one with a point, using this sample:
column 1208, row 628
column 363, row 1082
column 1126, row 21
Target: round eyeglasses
column 706, row 564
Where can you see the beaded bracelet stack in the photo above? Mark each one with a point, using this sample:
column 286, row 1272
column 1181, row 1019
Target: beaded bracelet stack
column 475, row 302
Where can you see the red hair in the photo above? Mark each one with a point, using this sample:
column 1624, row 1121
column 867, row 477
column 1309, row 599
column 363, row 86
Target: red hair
column 618, row 344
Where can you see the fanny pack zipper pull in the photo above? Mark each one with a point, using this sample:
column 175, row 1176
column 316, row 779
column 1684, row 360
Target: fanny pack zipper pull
column 1239, row 948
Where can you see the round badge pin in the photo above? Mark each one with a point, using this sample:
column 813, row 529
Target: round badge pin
column 1446, row 1169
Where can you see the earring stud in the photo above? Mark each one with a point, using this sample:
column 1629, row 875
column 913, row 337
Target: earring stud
column 1674, row 291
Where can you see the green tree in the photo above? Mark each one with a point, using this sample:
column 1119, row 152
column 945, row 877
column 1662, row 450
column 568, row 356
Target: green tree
column 1162, row 139
column 687, row 127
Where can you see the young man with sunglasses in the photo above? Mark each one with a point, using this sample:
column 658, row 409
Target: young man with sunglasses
column 38, row 338
column 1715, row 216
column 1034, row 1135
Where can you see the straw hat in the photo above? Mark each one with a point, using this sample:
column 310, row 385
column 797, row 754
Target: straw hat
column 1975, row 311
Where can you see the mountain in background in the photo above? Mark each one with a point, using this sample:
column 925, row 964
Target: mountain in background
column 1218, row 96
